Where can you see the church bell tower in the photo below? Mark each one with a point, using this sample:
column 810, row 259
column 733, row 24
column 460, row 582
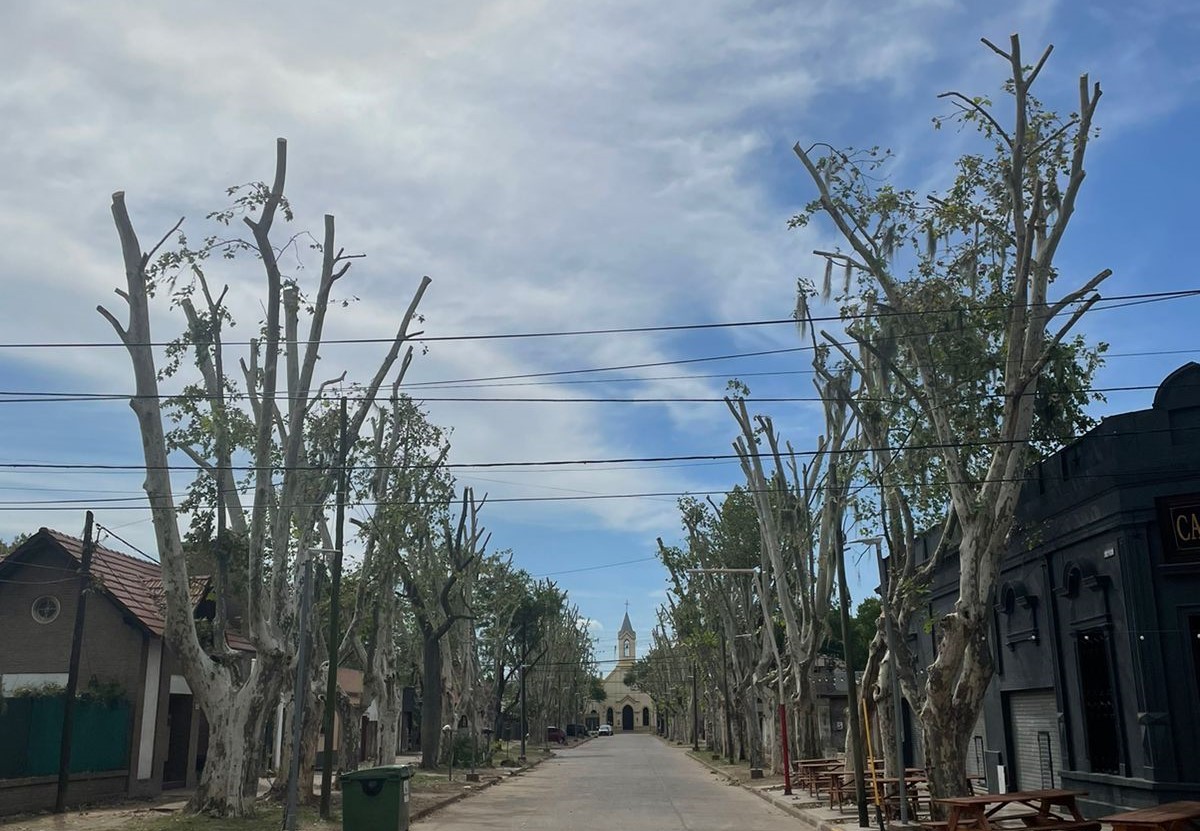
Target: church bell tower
column 626, row 643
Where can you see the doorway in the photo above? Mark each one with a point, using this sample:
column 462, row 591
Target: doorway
column 626, row 717
column 1099, row 702
column 179, row 735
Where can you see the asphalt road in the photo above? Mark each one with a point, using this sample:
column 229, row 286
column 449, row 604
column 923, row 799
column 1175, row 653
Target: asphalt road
column 626, row 782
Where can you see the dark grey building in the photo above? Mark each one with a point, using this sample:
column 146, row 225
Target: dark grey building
column 1097, row 614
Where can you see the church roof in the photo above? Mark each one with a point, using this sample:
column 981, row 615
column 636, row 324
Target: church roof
column 626, row 626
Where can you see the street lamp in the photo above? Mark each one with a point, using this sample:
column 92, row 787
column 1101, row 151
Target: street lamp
column 890, row 630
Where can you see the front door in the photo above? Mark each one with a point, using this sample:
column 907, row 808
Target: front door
column 626, row 717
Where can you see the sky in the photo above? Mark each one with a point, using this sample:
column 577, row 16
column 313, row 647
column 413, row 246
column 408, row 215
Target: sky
column 553, row 166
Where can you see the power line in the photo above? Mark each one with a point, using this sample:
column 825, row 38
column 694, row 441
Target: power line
column 594, row 568
column 881, row 313
column 52, row 506
column 555, row 463
column 72, row 397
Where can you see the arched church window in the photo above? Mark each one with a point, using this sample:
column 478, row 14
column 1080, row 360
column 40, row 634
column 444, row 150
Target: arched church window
column 626, row 649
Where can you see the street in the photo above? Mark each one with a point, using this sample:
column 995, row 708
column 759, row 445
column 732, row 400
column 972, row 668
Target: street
column 626, row 782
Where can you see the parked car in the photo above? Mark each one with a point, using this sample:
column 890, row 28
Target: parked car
column 605, row 730
column 556, row 734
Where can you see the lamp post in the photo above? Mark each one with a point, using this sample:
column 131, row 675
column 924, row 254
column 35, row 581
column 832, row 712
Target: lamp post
column 898, row 707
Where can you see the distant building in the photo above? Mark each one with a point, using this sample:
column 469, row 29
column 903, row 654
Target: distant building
column 624, row 708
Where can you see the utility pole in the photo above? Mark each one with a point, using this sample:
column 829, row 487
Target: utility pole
column 68, row 725
column 860, row 784
column 335, row 605
column 524, row 655
column 695, row 713
column 725, row 692
column 291, row 815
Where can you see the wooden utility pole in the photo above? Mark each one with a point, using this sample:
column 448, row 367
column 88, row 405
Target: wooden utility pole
column 68, row 725
column 335, row 605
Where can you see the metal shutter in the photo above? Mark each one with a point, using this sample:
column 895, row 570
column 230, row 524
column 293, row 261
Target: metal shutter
column 1033, row 721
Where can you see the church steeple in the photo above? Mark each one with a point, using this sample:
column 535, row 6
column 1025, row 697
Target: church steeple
column 626, row 641
column 626, row 626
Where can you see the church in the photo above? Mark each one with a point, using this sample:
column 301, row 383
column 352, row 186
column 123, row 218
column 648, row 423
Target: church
column 623, row 708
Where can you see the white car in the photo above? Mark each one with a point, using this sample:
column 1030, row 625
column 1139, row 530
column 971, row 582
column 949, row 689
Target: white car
column 605, row 730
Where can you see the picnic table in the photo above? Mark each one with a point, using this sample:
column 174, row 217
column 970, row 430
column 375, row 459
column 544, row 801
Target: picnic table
column 1170, row 816
column 982, row 812
column 809, row 771
column 890, row 791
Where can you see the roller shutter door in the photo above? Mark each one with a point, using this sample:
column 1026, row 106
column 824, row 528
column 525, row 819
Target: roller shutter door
column 1033, row 721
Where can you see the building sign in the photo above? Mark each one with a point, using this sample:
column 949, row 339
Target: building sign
column 1179, row 521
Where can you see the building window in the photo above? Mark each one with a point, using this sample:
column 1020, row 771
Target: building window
column 626, row 649
column 645, row 717
column 45, row 609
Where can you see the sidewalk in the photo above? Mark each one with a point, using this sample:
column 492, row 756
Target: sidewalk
column 814, row 812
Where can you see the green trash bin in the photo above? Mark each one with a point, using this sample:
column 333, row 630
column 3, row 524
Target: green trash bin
column 376, row 799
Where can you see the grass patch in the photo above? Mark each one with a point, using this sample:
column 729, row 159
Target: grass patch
column 267, row 819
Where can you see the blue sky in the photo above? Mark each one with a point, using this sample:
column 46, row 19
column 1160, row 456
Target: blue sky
column 553, row 165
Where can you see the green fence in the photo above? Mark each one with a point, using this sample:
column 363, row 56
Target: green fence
column 31, row 732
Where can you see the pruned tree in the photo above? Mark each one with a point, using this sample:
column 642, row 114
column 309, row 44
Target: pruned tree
column 290, row 478
column 405, row 475
column 436, row 573
column 800, row 512
column 960, row 285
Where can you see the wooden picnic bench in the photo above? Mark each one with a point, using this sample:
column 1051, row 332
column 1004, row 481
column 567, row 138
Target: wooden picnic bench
column 983, row 811
column 1170, row 816
column 809, row 771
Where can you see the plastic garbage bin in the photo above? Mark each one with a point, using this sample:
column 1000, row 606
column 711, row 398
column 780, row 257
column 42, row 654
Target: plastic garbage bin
column 376, row 799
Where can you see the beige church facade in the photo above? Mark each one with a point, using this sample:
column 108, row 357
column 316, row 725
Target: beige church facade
column 623, row 708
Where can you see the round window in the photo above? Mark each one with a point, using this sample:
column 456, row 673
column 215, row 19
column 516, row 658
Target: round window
column 45, row 609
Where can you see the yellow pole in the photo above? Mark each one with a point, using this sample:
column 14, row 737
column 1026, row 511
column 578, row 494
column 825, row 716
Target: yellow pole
column 870, row 753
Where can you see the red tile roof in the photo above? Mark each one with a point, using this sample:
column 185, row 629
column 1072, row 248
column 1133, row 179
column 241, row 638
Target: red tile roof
column 134, row 584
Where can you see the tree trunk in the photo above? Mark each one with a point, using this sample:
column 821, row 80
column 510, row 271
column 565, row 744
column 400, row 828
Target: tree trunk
column 350, row 737
column 955, row 700
column 431, row 701
column 229, row 783
column 808, row 730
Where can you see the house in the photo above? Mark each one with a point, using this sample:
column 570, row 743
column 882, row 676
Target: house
column 1096, row 615
column 146, row 733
